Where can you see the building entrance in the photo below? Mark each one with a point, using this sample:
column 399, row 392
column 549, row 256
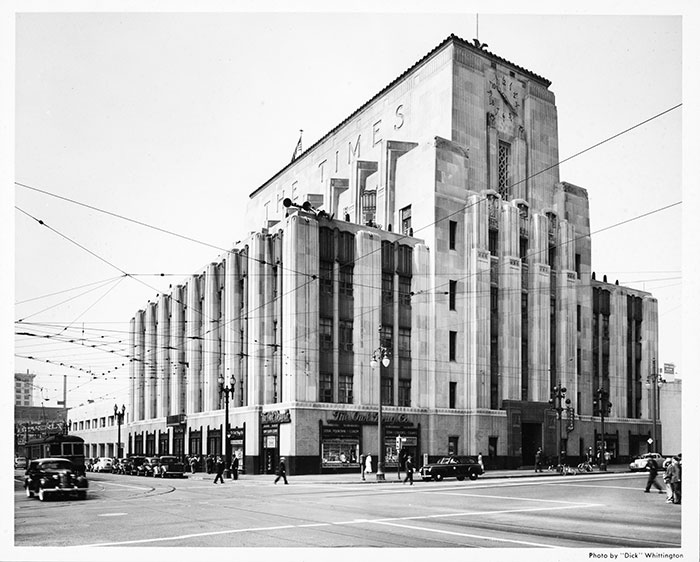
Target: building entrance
column 531, row 440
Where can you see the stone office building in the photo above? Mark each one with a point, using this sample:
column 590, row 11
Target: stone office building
column 432, row 225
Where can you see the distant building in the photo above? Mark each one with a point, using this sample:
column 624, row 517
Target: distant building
column 670, row 414
column 97, row 424
column 430, row 226
column 24, row 389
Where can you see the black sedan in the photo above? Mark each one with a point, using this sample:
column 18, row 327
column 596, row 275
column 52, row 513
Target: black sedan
column 50, row 476
column 452, row 467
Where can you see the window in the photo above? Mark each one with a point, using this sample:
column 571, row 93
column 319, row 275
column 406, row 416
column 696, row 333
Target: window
column 404, row 392
column 404, row 291
column 578, row 317
column 387, row 391
column 453, row 295
column 404, row 342
column 453, row 346
column 345, row 335
column 523, row 247
column 345, row 389
column 552, row 256
column 345, row 281
column 387, row 288
column 493, row 242
column 453, row 394
column 503, row 168
column 453, row 235
column 578, row 266
column 325, row 329
column 325, row 387
column 405, row 216
column 452, row 442
column 326, row 278
column 386, row 337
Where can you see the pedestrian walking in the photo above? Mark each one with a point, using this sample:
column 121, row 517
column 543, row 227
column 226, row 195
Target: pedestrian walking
column 281, row 471
column 480, row 460
column 219, row 466
column 676, row 470
column 651, row 481
column 209, row 464
column 538, row 460
column 668, row 474
column 193, row 464
column 362, row 466
column 409, row 470
column 368, row 464
column 234, row 467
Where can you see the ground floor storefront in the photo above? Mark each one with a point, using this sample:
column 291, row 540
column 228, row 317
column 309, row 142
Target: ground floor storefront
column 325, row 438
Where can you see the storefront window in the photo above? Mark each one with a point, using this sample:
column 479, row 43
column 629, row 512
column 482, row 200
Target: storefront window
column 340, row 446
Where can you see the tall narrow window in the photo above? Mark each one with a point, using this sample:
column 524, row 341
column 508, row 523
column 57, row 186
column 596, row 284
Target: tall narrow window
column 493, row 242
column 325, row 387
column 453, row 394
column 453, row 235
column 453, row 295
column 404, row 392
column 503, row 169
column 453, row 346
column 345, row 389
column 405, row 217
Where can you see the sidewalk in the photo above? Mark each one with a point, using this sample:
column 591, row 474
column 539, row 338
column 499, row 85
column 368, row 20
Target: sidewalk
column 392, row 478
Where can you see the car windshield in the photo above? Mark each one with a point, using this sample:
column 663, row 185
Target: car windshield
column 445, row 460
column 56, row 465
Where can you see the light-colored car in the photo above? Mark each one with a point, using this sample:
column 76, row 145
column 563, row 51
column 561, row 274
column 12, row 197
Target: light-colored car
column 102, row 464
column 640, row 462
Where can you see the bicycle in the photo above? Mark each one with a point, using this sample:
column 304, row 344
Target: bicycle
column 585, row 467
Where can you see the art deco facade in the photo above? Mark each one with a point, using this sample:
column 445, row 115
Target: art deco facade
column 435, row 226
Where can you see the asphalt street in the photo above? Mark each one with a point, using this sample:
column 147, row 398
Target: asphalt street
column 506, row 509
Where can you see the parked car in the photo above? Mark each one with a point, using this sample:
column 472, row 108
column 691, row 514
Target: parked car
column 124, row 466
column 169, row 465
column 53, row 477
column 640, row 462
column 148, row 467
column 117, row 466
column 20, row 462
column 452, row 467
column 102, row 464
column 136, row 462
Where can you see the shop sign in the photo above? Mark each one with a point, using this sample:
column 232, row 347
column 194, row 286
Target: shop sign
column 342, row 416
column 236, row 435
column 276, row 416
column 340, row 432
column 271, row 442
column 176, row 420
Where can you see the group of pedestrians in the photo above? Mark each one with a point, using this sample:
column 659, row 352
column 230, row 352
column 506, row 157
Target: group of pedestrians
column 672, row 478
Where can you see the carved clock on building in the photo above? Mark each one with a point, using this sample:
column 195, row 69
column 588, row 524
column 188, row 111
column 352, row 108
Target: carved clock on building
column 505, row 102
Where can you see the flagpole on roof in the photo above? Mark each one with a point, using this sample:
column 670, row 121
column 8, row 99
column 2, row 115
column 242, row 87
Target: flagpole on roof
column 298, row 149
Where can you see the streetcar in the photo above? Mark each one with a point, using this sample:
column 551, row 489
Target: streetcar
column 62, row 446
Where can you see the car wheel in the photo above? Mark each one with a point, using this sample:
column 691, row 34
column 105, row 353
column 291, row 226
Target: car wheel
column 460, row 477
column 29, row 492
column 42, row 496
column 473, row 475
column 438, row 477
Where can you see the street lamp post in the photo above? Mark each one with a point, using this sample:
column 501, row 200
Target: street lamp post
column 226, row 390
column 603, row 405
column 380, row 354
column 558, row 394
column 119, row 416
column 654, row 383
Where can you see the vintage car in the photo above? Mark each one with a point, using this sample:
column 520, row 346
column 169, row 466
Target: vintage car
column 136, row 462
column 148, row 467
column 169, row 465
column 53, row 477
column 102, row 464
column 452, row 467
column 640, row 462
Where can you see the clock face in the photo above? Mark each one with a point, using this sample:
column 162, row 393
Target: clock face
column 505, row 100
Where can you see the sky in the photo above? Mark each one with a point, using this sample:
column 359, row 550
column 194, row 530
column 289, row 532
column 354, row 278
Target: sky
column 173, row 119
